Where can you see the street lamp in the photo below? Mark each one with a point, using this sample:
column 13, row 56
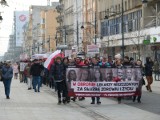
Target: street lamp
column 144, row 2
column 95, row 27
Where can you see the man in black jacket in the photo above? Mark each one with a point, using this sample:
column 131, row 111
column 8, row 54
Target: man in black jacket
column 35, row 71
column 58, row 75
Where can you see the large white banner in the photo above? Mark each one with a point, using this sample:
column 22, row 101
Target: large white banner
column 87, row 81
column 21, row 23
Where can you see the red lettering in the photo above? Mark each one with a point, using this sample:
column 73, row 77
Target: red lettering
column 74, row 83
column 86, row 84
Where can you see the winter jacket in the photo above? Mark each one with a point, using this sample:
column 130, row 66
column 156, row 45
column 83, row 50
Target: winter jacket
column 27, row 71
column 104, row 64
column 148, row 67
column 7, row 73
column 36, row 69
column 57, row 72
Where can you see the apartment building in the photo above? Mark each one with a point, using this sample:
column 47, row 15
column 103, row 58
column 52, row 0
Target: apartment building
column 48, row 29
column 42, row 29
column 139, row 22
column 65, row 30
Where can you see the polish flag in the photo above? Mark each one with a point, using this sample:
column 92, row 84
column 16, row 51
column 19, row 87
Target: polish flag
column 50, row 60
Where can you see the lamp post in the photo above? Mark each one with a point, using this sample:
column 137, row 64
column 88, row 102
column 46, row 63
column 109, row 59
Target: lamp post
column 122, row 22
column 144, row 2
column 95, row 27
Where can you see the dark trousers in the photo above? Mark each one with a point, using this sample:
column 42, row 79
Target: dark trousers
column 36, row 81
column 61, row 88
column 7, row 86
column 93, row 99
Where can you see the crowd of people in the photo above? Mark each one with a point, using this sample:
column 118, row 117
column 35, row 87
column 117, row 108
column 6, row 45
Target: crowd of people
column 35, row 74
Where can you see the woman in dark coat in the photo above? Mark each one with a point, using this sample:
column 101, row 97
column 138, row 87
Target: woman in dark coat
column 7, row 75
column 148, row 73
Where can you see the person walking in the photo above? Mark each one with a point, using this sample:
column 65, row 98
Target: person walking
column 28, row 76
column 58, row 75
column 15, row 70
column 7, row 75
column 35, row 71
column 95, row 64
column 118, row 64
column 156, row 70
column 148, row 73
column 139, row 77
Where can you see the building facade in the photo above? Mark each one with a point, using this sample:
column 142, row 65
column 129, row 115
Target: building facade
column 42, row 29
column 138, row 21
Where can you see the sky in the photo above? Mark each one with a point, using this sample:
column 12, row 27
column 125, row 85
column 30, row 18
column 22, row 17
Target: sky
column 7, row 13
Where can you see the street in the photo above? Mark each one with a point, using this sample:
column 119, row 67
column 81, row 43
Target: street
column 28, row 105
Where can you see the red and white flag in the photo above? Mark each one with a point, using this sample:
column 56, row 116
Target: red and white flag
column 51, row 58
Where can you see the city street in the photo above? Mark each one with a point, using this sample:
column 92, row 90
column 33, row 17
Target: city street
column 28, row 105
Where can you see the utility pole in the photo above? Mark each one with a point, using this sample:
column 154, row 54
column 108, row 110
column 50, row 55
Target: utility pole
column 77, row 28
column 49, row 43
column 95, row 27
column 122, row 23
column 65, row 39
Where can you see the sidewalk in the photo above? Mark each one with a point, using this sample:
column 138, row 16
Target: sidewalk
column 28, row 105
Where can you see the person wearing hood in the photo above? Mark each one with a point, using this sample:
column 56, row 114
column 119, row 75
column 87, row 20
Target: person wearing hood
column 148, row 67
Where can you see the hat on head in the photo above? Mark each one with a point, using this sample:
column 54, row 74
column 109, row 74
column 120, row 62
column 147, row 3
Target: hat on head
column 118, row 56
column 126, row 57
column 58, row 58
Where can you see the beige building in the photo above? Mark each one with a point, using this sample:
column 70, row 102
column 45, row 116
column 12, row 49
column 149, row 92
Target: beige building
column 41, row 30
column 90, row 23
column 48, row 29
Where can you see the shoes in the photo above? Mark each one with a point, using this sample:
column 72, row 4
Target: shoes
column 68, row 101
column 35, row 90
column 59, row 102
column 92, row 102
column 98, row 102
column 7, row 97
column 82, row 98
column 147, row 88
column 119, row 102
column 74, row 99
column 150, row 90
column 139, row 101
column 29, row 88
column 134, row 99
column 64, row 101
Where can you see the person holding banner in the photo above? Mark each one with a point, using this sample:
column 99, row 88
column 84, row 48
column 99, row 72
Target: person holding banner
column 118, row 64
column 94, row 65
column 139, row 77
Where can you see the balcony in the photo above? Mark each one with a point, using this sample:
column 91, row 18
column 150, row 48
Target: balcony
column 60, row 8
column 60, row 18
